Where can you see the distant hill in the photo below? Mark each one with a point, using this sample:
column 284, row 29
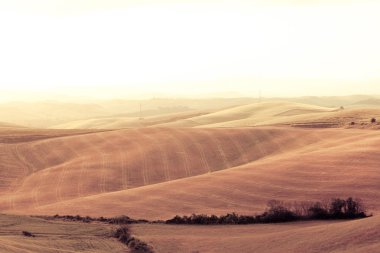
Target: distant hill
column 126, row 113
column 10, row 126
column 264, row 113
column 50, row 113
column 331, row 101
column 368, row 102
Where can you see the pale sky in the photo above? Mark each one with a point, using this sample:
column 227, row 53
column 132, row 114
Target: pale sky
column 115, row 48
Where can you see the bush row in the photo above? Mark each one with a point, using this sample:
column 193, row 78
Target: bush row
column 134, row 244
column 119, row 220
column 278, row 211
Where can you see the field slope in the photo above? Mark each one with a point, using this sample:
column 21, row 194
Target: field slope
column 55, row 237
column 359, row 236
column 156, row 173
column 159, row 172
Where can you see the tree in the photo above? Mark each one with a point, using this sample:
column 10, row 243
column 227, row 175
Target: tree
column 318, row 212
column 277, row 212
column 336, row 207
column 351, row 208
column 373, row 120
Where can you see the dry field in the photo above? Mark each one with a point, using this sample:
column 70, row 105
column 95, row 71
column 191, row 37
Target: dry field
column 339, row 237
column 214, row 162
column 55, row 237
column 156, row 173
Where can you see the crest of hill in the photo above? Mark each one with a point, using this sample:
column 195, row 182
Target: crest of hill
column 118, row 122
column 114, row 114
column 47, row 114
column 283, row 113
column 265, row 113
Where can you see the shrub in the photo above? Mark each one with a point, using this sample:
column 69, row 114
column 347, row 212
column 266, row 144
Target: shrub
column 354, row 209
column 121, row 220
column 176, row 220
column 231, row 219
column 336, row 208
column 135, row 245
column 346, row 209
column 138, row 246
column 122, row 234
column 373, row 120
column 27, row 234
column 278, row 213
column 318, row 212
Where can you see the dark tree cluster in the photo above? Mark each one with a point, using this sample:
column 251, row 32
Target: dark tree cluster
column 278, row 211
column 203, row 219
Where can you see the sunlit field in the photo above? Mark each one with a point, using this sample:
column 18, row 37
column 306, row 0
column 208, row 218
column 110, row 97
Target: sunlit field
column 189, row 126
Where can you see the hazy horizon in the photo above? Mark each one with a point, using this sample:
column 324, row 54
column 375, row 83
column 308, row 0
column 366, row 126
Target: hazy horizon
column 138, row 49
column 67, row 98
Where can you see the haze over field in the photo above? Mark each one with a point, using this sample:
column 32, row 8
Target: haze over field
column 153, row 109
column 140, row 49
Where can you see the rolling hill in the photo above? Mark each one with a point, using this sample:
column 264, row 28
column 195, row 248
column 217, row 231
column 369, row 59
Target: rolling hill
column 211, row 161
column 118, row 122
column 255, row 114
column 134, row 171
column 227, row 112
column 47, row 114
column 265, row 113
